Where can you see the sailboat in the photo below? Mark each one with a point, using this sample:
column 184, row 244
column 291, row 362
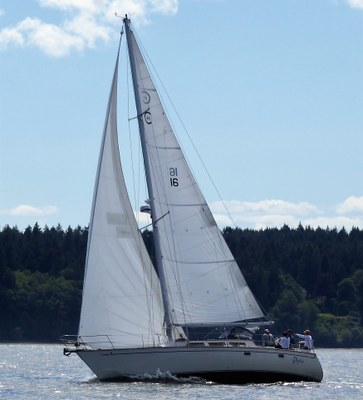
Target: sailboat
column 192, row 315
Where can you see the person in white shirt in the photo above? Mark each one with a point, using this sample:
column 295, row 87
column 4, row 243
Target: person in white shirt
column 284, row 342
column 268, row 339
column 308, row 340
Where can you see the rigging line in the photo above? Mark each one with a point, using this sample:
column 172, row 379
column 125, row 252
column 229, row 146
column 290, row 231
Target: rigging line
column 147, row 264
column 136, row 180
column 170, row 246
column 177, row 271
column 146, row 226
column 137, row 73
column 189, row 137
column 170, row 243
column 200, row 159
column 140, row 115
column 130, row 133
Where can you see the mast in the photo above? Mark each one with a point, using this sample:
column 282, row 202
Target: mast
column 159, row 260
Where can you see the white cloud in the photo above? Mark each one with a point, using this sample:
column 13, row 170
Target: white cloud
column 85, row 5
column 10, row 36
column 26, row 210
column 51, row 39
column 164, row 6
column 84, row 24
column 350, row 205
column 262, row 214
column 355, row 3
column 276, row 213
column 254, row 215
column 268, row 206
column 85, row 27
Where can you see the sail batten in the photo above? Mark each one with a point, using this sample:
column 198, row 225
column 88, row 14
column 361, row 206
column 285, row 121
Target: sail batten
column 214, row 262
column 165, row 148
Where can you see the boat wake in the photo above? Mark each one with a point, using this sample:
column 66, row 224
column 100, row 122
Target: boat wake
column 170, row 378
column 164, row 377
column 158, row 377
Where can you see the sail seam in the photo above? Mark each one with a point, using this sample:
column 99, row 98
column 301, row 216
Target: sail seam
column 199, row 262
column 182, row 204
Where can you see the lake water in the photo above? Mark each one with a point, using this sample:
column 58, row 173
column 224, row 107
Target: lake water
column 35, row 372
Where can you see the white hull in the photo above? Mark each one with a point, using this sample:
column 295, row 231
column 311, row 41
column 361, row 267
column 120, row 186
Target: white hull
column 223, row 364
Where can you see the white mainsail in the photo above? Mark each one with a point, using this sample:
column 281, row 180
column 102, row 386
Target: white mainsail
column 204, row 282
column 121, row 295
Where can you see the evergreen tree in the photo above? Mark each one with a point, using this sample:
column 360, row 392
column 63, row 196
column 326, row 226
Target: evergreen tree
column 303, row 278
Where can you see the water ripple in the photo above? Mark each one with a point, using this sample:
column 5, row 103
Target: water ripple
column 41, row 372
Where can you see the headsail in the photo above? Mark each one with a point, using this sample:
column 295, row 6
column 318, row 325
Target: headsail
column 204, row 282
column 121, row 295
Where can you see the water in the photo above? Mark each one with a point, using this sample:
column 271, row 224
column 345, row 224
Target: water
column 37, row 372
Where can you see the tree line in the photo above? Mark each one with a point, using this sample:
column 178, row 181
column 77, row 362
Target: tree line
column 302, row 278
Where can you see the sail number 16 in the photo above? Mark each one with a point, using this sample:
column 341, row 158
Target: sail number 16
column 173, row 174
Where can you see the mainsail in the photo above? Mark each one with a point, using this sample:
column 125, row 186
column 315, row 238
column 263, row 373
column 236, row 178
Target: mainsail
column 203, row 281
column 121, row 296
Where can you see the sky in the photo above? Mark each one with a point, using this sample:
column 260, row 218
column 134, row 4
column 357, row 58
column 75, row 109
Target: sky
column 270, row 93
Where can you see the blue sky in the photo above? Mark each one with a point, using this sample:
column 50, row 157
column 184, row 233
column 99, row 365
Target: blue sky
column 271, row 92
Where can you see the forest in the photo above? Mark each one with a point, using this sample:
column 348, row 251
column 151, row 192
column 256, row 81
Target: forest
column 302, row 277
